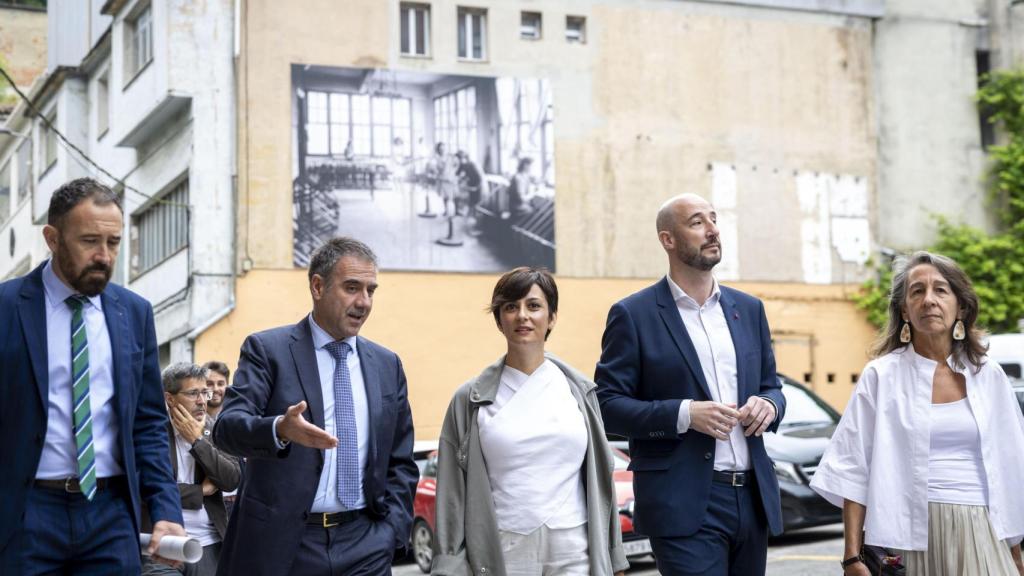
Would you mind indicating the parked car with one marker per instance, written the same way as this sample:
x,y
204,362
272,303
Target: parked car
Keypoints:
x,y
1018,389
422,539
796,450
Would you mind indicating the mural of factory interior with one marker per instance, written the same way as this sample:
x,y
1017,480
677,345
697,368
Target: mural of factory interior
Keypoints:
x,y
435,172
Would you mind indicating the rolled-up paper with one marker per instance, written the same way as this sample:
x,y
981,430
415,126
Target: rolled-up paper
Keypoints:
x,y
180,548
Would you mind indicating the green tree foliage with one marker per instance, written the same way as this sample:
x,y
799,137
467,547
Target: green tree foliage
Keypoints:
x,y
995,263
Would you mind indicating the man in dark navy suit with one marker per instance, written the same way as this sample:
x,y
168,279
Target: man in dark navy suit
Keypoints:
x,y
82,418
688,375
322,416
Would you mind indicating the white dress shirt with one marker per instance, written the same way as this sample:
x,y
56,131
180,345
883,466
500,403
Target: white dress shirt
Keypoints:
x,y
197,522
534,442
59,456
327,491
712,339
879,454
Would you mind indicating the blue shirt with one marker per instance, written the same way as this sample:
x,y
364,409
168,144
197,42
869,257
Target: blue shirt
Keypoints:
x,y
58,458
326,499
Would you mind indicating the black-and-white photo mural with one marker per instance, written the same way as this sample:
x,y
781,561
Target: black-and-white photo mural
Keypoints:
x,y
434,171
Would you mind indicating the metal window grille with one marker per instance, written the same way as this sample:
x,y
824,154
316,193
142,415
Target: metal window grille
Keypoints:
x,y
161,230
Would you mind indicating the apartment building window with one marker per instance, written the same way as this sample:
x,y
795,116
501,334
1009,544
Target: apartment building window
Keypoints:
x,y
472,33
138,42
576,29
983,64
5,190
415,29
530,26
102,103
455,120
49,142
343,124
161,230
25,180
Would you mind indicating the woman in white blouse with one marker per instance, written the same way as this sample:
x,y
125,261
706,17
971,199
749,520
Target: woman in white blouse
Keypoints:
x,y
928,458
524,481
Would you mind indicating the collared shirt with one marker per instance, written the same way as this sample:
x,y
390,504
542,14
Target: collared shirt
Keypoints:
x,y
712,339
197,522
327,491
879,454
58,459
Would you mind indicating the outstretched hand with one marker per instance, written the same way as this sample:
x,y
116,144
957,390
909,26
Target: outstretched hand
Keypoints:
x,y
294,428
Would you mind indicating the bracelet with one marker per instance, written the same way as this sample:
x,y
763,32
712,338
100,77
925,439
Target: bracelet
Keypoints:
x,y
852,560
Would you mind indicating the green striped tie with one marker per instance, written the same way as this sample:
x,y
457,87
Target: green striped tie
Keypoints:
x,y
80,398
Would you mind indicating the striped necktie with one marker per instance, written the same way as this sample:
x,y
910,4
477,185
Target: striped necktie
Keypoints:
x,y
80,398
345,426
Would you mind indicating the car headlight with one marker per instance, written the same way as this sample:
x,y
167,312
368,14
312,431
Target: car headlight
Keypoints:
x,y
786,471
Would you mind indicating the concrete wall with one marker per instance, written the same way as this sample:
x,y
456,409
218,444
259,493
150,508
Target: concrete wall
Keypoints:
x,y
930,154
660,92
437,324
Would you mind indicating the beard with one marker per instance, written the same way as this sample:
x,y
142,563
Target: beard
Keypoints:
x,y
696,258
84,281
215,402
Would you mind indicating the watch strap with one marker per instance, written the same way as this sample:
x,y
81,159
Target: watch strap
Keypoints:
x,y
852,560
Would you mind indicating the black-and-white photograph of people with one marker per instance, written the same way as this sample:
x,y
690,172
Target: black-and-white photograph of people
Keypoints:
x,y
438,172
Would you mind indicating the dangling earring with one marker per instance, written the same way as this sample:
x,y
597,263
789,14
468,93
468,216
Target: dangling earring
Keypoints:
x,y
905,333
959,332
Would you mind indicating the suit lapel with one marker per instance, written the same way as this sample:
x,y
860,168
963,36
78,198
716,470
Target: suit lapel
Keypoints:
x,y
732,318
371,381
304,357
120,347
32,312
670,315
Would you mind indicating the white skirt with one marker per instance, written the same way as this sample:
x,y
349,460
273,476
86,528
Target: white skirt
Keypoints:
x,y
961,542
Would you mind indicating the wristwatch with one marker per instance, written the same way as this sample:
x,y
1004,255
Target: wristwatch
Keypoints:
x,y
852,560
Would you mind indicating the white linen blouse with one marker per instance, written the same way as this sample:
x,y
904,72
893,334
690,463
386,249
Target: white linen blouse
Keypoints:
x,y
879,454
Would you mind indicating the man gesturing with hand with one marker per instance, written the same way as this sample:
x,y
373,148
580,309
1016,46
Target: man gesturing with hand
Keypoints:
x,y
322,416
688,375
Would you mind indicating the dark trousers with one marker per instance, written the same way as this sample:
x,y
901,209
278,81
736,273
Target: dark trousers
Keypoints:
x,y
362,547
65,534
733,541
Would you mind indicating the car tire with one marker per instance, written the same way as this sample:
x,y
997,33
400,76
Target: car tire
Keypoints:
x,y
422,545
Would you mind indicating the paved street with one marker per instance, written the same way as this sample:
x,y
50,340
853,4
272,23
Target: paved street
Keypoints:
x,y
811,552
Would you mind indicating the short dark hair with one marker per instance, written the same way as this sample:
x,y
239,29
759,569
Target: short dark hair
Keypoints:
x,y
173,375
218,367
72,194
326,257
515,285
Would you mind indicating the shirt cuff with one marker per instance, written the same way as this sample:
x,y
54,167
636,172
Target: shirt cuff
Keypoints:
x,y
281,444
775,406
683,423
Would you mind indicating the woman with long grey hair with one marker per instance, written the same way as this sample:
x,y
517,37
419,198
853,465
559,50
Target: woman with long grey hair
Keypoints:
x,y
928,459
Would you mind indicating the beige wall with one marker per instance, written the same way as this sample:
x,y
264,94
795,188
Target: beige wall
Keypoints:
x,y
437,324
660,91
23,44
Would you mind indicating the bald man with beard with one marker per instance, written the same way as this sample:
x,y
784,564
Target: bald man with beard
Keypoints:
x,y
688,375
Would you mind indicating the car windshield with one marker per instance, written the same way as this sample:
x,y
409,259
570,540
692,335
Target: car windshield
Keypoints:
x,y
803,408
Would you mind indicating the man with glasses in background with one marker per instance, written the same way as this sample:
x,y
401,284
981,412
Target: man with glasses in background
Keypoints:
x,y
203,472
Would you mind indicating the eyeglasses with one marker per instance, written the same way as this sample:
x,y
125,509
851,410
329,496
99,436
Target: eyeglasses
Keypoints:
x,y
196,392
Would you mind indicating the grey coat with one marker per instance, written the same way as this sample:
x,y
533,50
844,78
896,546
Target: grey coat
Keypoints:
x,y
467,540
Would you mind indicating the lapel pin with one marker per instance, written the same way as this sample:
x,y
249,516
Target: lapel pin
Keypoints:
x,y
735,315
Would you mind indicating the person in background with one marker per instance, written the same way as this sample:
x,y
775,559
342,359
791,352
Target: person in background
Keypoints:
x,y
927,457
203,472
524,484
520,189
218,378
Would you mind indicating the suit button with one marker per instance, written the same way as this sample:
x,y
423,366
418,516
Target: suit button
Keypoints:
x,y
707,455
